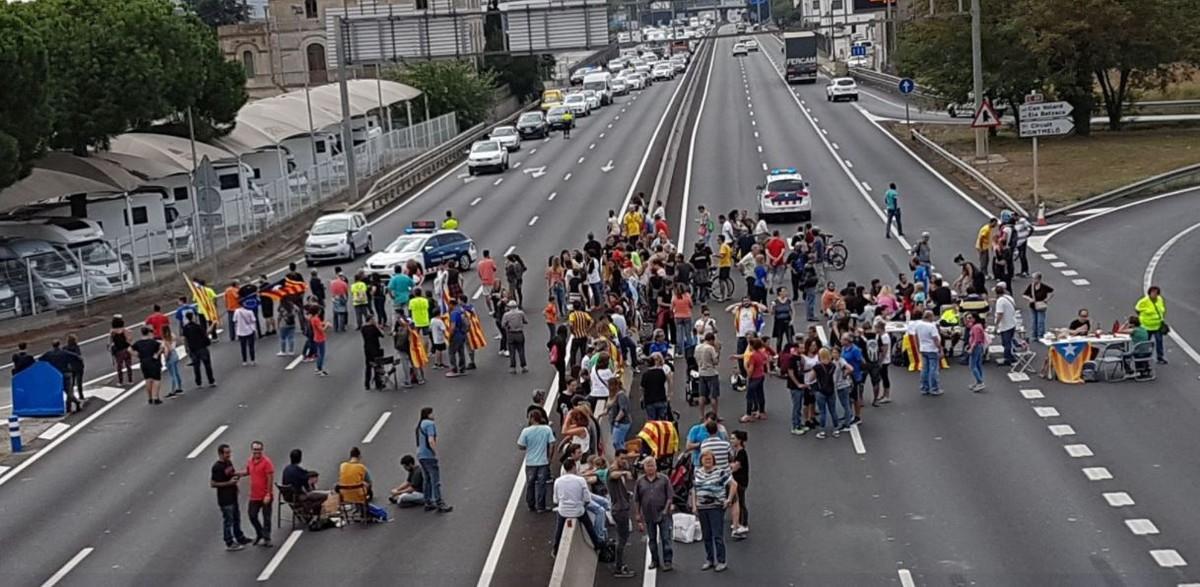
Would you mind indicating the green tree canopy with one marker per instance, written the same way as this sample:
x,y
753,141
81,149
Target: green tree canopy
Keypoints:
x,y
215,13
452,86
24,108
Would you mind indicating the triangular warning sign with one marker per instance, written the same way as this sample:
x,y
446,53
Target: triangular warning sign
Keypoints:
x,y
986,116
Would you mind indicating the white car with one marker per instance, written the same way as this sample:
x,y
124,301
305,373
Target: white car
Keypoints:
x,y
619,86
427,246
578,104
751,45
593,99
857,61
616,65
841,88
664,71
680,65
739,50
785,193
337,236
634,80
487,154
507,136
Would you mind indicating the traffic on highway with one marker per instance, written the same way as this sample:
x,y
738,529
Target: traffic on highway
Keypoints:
x,y
693,292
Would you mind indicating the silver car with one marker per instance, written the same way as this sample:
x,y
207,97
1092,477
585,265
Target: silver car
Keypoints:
x,y
337,236
507,136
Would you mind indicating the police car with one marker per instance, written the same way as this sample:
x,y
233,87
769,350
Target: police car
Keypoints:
x,y
785,193
429,247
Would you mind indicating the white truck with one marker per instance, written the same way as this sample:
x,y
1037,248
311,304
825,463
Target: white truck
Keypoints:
x,y
600,83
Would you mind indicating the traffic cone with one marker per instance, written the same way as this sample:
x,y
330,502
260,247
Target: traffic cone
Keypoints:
x,y
1041,219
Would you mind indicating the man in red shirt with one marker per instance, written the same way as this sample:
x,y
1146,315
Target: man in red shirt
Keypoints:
x,y
776,253
157,321
660,226
757,359
261,473
487,276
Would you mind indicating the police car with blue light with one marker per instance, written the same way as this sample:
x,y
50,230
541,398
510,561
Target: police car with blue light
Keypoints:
x,y
785,193
429,247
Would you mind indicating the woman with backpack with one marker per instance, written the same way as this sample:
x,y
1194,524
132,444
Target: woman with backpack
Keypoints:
x,y
118,345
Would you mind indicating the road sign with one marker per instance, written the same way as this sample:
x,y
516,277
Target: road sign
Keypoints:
x,y
1035,98
859,51
1046,128
906,85
985,116
1045,111
204,179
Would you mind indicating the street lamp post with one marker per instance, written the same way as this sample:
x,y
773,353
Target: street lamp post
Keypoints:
x,y
977,74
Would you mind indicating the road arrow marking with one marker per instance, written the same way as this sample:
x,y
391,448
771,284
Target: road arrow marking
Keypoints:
x,y
607,166
469,179
536,171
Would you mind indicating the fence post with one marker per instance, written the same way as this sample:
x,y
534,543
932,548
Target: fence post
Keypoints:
x,y
14,433
32,296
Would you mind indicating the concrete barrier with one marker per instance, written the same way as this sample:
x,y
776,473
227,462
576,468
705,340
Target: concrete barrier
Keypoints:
x,y
576,563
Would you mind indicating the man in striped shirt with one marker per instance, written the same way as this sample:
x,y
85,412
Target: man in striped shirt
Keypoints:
x,y
717,444
580,323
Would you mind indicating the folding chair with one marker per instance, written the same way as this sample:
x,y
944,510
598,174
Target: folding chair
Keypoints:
x,y
1111,364
1023,353
1141,361
287,496
352,502
385,369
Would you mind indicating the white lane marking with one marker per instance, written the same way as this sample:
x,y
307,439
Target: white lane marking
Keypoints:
x,y
1061,430
207,441
580,161
1083,282
607,166
278,558
1032,394
1118,499
610,125
567,177
1058,264
71,564
1141,526
546,140
4,469
410,199
760,148
54,431
867,186
510,250
751,113
617,117
478,292
295,361
802,102
533,221
856,438
1046,412
822,336
1069,273
12,473
591,146
476,201
517,164
1049,256
532,151
649,575
1090,211
764,165
383,418
1148,279
824,132
753,123
469,179
1062,227
1168,557
815,119
498,180
552,196
756,134
601,135
1097,473
836,147
906,578
850,164
1078,451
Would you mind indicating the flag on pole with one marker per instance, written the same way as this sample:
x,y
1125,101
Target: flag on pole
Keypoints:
x,y
286,288
476,339
1067,359
204,302
416,349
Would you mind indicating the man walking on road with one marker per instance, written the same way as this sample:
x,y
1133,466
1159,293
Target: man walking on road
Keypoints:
x,y
983,245
1006,321
243,323
427,441
513,324
261,472
652,497
195,338
891,204
536,440
620,492
929,345
225,479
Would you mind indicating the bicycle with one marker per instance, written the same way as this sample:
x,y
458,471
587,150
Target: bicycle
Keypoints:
x,y
836,254
723,290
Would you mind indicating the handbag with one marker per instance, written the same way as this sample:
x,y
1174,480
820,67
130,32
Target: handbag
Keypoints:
x,y
1163,328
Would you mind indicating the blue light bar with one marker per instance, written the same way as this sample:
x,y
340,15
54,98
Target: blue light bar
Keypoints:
x,y
421,226
782,170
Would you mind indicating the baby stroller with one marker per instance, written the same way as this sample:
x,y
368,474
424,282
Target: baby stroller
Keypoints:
x,y
681,482
691,388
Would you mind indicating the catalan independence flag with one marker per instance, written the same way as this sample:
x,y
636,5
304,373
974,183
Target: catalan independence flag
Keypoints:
x,y
660,436
285,288
910,346
476,339
204,302
1067,359
416,349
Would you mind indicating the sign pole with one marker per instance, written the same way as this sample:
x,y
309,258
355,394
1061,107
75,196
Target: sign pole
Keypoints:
x,y
907,122
1035,173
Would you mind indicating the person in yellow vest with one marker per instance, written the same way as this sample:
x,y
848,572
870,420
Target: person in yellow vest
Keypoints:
x,y
450,223
360,300
568,121
746,322
1152,313
950,325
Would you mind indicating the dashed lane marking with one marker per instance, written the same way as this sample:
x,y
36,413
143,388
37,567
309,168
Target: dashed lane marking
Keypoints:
x,y
207,441
567,177
1078,451
906,578
511,248
1046,412
856,438
1141,527
476,200
269,570
764,166
54,431
295,361
760,148
1058,264
849,164
601,135
1081,282
824,132
383,418
498,181
532,151
591,146
1069,273
866,186
517,164
478,292
1168,557
1061,430
1049,256
836,147
1015,377
753,123
552,196
756,134
1032,394
71,564
580,162
1097,473
533,221
1118,499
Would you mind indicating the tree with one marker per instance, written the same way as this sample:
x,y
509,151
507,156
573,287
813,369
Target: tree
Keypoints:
x,y
522,73
117,65
24,108
215,13
452,86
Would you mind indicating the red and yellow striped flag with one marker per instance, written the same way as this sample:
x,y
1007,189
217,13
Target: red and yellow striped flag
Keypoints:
x,y
204,302
416,349
476,339
910,346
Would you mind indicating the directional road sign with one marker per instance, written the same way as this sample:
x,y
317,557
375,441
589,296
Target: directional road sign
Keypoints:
x,y
907,85
985,116
1045,110
859,51
1046,128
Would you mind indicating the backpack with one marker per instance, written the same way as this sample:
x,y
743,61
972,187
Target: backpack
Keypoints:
x,y
872,353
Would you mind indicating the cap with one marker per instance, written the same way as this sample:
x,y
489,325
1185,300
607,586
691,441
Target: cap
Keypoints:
x,y
512,303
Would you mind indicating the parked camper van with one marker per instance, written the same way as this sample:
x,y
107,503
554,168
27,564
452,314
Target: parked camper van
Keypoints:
x,y
42,277
156,232
84,241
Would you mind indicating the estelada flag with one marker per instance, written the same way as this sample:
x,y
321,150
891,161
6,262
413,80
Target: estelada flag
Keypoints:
x,y
416,349
284,289
204,302
1067,360
476,339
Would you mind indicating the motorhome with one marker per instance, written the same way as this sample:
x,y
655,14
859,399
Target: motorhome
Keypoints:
x,y
157,231
42,277
84,241
10,304
245,205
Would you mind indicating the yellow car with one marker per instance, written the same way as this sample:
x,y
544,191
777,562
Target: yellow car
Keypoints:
x,y
551,98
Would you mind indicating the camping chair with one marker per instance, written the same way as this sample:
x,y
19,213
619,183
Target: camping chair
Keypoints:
x,y
352,502
1140,361
1111,364
1023,353
385,369
287,496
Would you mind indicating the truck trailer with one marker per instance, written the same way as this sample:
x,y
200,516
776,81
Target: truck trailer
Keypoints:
x,y
800,57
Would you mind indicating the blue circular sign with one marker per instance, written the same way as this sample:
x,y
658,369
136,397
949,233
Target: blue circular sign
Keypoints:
x,y
907,86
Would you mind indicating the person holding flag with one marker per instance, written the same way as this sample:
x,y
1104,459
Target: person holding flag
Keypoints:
x,y
476,339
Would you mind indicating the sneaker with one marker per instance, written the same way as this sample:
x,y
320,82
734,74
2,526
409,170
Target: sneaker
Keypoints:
x,y
323,373
233,547
430,507
886,400
244,363
721,567
796,432
837,433
978,388
804,429
524,369
855,420
706,566
667,568
243,541
624,573
452,373
821,434
471,367
741,531
280,354
445,509
267,544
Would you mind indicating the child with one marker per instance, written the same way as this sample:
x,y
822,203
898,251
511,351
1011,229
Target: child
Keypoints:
x,y
437,333
550,313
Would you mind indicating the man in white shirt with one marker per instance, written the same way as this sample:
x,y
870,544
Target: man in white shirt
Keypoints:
x,y
244,325
929,345
572,496
1006,321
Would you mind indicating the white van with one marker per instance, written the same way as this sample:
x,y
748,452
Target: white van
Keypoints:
x,y
10,304
82,240
599,82
42,277
157,230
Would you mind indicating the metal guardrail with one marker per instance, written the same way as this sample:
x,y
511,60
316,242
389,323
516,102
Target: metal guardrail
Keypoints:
x,y
975,174
1149,184
891,83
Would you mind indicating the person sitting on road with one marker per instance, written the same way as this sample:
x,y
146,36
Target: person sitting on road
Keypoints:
x,y
354,481
408,494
